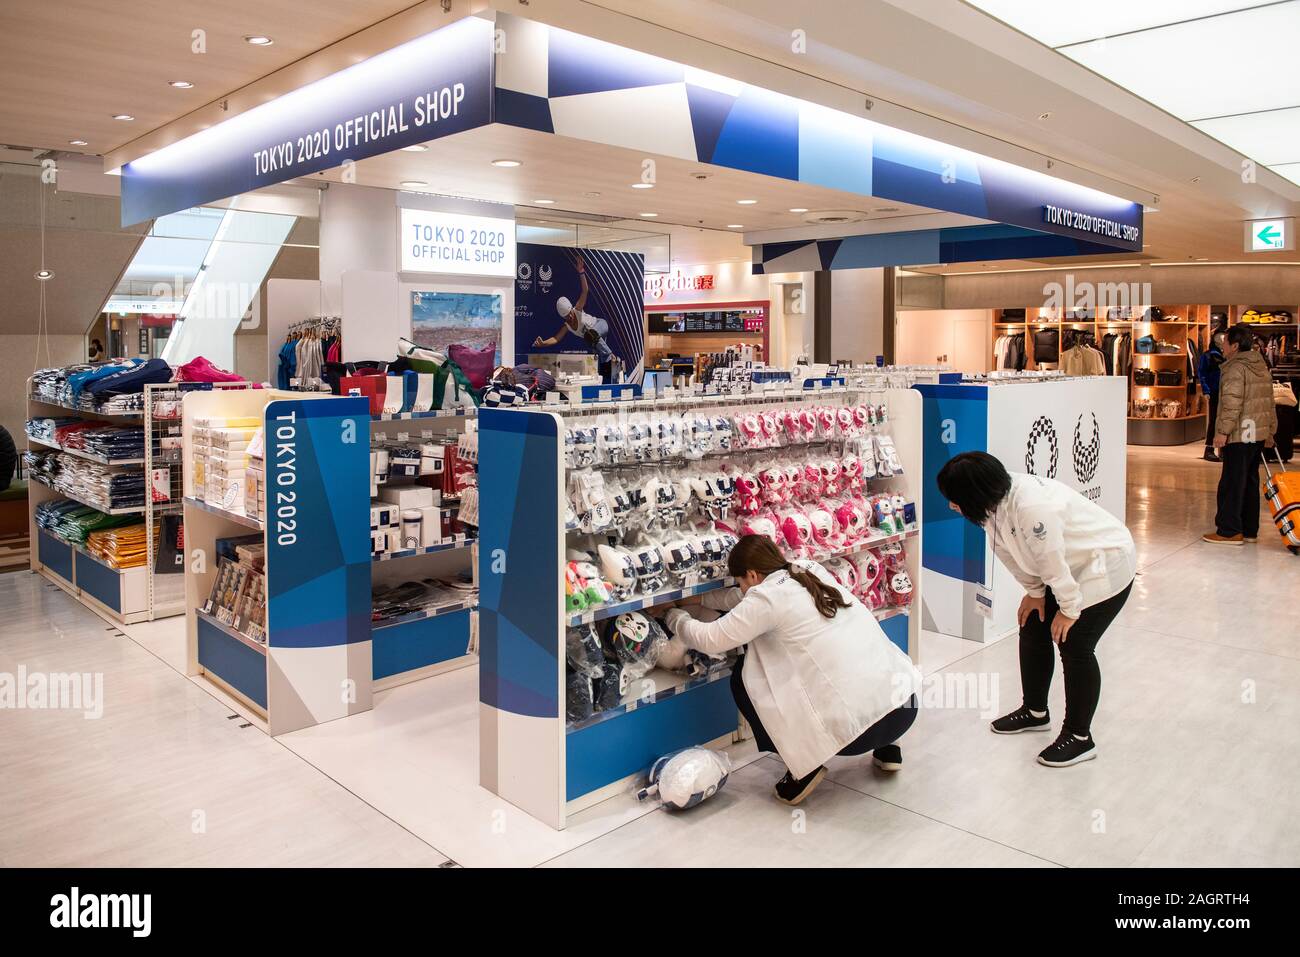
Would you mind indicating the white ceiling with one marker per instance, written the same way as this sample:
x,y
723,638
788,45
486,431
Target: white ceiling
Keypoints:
x,y
1225,67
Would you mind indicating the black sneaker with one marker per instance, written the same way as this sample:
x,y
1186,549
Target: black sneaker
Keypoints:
x,y
888,758
1067,750
1021,720
790,791
1211,456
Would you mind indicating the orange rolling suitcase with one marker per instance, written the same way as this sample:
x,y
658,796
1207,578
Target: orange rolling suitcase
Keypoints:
x,y
1283,493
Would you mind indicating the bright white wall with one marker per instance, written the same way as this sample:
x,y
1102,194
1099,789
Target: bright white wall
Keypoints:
x,y
17,359
857,314
922,336
358,231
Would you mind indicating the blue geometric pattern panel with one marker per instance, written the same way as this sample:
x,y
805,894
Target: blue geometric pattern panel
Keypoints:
x,y
519,607
317,535
737,125
955,420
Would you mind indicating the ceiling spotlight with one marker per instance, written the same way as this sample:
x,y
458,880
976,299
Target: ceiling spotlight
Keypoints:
x,y
746,202
124,117
181,84
591,194
1045,116
414,184
649,215
44,274
506,163
734,226
1196,179
77,143
643,185
544,202
414,148
258,40
798,209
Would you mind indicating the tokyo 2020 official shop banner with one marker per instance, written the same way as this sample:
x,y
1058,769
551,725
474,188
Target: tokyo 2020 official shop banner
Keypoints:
x,y
1074,431
615,280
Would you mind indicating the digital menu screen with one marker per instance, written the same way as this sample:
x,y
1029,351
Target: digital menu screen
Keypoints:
x,y
703,323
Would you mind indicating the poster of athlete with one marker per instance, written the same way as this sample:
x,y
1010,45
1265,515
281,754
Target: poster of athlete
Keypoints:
x,y
581,300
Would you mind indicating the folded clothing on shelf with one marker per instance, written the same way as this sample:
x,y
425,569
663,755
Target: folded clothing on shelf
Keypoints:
x,y
415,596
73,522
121,547
86,480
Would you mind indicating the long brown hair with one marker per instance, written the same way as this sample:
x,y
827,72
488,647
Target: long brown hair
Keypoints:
x,y
756,553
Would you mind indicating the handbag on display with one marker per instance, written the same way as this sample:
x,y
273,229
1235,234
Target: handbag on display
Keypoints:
x,y
1145,345
1144,377
1153,314
1169,377
370,383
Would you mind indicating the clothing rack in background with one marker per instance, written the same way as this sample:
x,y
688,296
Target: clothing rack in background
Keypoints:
x,y
308,345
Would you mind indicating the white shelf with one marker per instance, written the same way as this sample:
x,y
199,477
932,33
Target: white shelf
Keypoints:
x,y
134,510
460,542
238,518
230,630
645,601
434,414
133,414
82,454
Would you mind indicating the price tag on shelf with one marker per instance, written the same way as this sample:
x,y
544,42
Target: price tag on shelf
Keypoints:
x,y
983,601
403,436
605,395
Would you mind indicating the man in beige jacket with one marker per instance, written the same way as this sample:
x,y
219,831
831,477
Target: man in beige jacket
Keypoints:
x,y
1244,428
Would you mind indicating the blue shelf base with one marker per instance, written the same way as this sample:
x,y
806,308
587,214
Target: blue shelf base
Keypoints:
x,y
607,751
233,662
418,643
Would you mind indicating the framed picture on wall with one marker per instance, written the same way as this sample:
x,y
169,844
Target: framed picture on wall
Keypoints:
x,y
440,320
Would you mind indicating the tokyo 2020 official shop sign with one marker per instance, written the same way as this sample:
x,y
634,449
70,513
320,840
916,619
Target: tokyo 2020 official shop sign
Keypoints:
x,y
1074,431
318,561
430,87
456,243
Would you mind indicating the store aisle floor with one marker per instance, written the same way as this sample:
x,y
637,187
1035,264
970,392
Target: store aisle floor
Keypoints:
x,y
1200,703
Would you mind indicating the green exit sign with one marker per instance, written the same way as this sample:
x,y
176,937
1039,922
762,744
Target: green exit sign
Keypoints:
x,y
1268,235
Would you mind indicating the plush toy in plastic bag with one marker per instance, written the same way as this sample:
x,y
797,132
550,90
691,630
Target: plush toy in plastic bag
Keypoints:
x,y
685,778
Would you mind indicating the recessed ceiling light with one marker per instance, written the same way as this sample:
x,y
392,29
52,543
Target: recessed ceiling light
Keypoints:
x,y
77,143
414,183
734,226
44,274
1045,116
258,40
1196,179
507,163
544,202
124,117
746,202
415,148
798,209
181,84
643,185
649,215
591,194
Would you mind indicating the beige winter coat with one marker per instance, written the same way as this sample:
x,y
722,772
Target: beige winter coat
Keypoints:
x,y
1246,410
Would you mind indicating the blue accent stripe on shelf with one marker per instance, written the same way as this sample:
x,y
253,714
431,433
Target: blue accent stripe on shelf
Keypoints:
x,y
99,581
895,630
409,645
238,665
54,554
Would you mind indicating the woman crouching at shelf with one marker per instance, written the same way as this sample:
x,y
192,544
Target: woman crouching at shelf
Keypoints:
x,y
818,677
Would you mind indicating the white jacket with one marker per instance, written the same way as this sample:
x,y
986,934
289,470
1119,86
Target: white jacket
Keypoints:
x,y
1050,536
817,683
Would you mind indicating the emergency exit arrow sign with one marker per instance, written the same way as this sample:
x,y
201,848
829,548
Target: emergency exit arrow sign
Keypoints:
x,y
1268,235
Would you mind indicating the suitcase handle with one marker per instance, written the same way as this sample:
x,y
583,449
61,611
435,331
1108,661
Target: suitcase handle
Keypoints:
x,y
1264,458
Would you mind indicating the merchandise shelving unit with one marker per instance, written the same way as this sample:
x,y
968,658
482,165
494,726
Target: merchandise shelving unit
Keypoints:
x,y
1192,322
315,664
118,595
439,639
529,754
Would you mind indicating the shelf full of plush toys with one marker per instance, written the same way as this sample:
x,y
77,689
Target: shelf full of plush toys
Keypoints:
x,y
656,499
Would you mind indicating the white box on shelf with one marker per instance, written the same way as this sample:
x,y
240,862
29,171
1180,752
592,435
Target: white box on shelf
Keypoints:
x,y
407,496
430,526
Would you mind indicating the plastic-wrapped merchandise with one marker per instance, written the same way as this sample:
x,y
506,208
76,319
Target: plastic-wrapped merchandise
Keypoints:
x,y
636,640
582,650
685,778
578,703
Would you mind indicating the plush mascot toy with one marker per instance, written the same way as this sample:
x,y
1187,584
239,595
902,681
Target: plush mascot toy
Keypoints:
x,y
685,778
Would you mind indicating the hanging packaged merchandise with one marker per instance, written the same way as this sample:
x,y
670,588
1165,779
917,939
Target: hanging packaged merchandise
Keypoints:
x,y
587,493
611,441
619,568
842,570
611,687
685,778
679,559
797,532
583,652
650,574
579,698
620,505
711,552
638,439
723,433
900,588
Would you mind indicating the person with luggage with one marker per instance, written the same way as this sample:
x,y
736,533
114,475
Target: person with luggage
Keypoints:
x,y
1243,428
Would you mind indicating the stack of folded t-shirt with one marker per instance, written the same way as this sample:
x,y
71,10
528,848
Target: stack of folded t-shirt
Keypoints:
x,y
73,522
110,441
124,547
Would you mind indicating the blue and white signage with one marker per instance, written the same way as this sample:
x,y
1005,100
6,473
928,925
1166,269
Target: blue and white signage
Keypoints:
x,y
1270,235
456,243
431,87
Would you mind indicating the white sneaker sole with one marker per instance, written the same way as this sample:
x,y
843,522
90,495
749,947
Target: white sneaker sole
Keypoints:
x,y
812,786
1086,756
1036,727
1237,544
887,765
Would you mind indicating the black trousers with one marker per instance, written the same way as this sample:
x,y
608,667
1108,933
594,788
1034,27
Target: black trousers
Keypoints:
x,y
1239,489
884,732
1209,421
1078,659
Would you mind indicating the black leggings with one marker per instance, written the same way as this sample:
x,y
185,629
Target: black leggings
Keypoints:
x,y
884,732
1078,659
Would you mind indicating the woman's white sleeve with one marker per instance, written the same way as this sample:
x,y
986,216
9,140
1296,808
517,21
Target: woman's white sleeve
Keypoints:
x,y
1041,529
722,599
751,617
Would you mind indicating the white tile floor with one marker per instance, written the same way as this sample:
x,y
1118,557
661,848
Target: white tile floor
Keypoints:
x,y
1200,704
